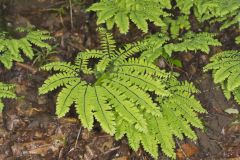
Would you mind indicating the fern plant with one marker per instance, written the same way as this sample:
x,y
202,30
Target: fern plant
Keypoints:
x,y
163,45
6,91
11,48
118,92
226,72
224,11
120,12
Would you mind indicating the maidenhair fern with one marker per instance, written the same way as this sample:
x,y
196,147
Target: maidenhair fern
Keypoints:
x,y
225,67
161,44
140,12
120,12
11,48
118,92
175,26
6,91
224,11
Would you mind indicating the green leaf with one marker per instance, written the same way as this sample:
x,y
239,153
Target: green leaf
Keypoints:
x,y
122,22
139,19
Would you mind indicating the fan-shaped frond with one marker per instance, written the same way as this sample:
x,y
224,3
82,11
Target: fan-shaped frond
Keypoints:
x,y
11,48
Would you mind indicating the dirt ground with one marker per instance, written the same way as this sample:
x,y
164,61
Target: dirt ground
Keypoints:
x,y
29,129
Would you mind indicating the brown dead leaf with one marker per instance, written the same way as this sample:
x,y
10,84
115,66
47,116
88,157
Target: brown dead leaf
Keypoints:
x,y
186,150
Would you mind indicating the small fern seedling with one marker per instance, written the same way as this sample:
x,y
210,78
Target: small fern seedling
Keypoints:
x,y
118,92
225,66
11,48
6,91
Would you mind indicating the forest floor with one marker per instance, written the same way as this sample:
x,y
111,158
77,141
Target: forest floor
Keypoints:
x,y
29,129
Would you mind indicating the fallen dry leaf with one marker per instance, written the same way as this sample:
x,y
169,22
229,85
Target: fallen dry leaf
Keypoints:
x,y
186,151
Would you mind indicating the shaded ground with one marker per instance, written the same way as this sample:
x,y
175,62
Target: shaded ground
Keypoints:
x,y
29,129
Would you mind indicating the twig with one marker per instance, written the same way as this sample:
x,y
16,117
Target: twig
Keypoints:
x,y
187,158
27,67
61,20
79,132
71,13
112,149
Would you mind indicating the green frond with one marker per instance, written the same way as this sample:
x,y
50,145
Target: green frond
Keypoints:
x,y
144,81
141,66
7,60
82,59
185,5
61,67
224,11
67,97
83,106
103,112
193,42
120,12
127,110
103,64
225,66
140,20
236,94
57,80
134,93
107,42
122,22
174,26
129,50
163,45
6,91
11,48
38,37
26,47
237,40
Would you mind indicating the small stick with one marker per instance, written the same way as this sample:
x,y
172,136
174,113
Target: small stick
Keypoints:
x,y
79,132
187,158
27,67
71,13
111,150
